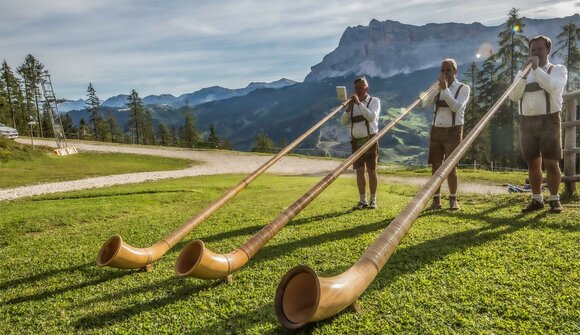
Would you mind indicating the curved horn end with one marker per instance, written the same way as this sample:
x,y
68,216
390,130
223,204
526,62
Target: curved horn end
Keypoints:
x,y
118,254
189,258
297,297
109,250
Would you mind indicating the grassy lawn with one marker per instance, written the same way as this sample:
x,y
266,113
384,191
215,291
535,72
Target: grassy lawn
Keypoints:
x,y
465,174
20,165
485,270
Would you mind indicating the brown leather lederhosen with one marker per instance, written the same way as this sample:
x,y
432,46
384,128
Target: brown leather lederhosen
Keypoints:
x,y
540,135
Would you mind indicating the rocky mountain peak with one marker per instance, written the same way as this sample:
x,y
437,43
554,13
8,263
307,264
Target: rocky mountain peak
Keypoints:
x,y
387,48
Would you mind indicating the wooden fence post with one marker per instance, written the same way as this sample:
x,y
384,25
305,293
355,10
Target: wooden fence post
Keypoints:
x,y
570,149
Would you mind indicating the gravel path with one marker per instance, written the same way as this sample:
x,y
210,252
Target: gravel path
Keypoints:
x,y
213,162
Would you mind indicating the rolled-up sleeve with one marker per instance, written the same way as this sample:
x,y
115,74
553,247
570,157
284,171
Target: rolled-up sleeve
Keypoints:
x,y
458,104
345,118
429,100
554,82
518,92
372,112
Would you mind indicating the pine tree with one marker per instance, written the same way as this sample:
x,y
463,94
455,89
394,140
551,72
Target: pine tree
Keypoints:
x,y
114,129
567,48
263,144
93,104
84,130
31,72
12,93
175,136
488,91
213,140
135,121
148,132
226,144
4,106
471,115
67,124
164,135
512,54
47,121
189,134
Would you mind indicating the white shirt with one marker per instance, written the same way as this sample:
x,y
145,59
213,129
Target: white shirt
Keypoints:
x,y
534,103
444,117
371,114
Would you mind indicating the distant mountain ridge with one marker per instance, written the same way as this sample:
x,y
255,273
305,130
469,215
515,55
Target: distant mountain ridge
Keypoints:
x,y
384,49
204,95
386,52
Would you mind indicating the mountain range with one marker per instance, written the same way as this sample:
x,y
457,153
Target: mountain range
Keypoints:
x,y
399,59
198,97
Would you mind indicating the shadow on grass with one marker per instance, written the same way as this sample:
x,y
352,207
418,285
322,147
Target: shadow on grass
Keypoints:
x,y
107,195
534,217
43,275
106,319
255,229
413,258
241,323
274,251
50,293
447,211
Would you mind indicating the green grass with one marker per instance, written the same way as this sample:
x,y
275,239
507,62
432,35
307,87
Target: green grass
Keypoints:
x,y
484,270
20,165
465,174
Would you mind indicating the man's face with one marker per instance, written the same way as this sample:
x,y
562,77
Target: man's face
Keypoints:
x,y
361,88
538,48
448,71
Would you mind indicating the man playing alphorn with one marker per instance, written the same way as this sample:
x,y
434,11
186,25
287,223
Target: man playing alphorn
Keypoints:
x,y
539,93
362,115
449,102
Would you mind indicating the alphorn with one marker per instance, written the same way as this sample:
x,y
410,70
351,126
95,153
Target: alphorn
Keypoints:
x,y
196,260
116,253
303,297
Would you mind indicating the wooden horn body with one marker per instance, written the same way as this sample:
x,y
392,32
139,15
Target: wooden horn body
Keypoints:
x,y
197,261
116,253
303,297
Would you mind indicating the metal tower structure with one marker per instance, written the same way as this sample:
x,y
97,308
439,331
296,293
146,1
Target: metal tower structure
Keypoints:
x,y
51,106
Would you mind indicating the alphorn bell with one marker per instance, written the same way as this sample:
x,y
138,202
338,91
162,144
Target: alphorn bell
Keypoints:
x,y
303,297
197,261
116,253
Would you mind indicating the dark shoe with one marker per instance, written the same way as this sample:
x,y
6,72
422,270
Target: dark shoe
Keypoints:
x,y
360,205
373,205
436,204
453,204
534,205
555,206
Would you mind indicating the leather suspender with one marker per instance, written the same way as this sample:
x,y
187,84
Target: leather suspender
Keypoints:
x,y
534,87
360,118
443,103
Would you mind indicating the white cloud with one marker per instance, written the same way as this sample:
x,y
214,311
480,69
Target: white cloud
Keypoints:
x,y
181,46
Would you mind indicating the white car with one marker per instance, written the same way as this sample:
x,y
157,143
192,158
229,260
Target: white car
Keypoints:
x,y
9,132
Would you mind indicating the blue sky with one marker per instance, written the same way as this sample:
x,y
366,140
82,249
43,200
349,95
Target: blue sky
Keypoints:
x,y
177,47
